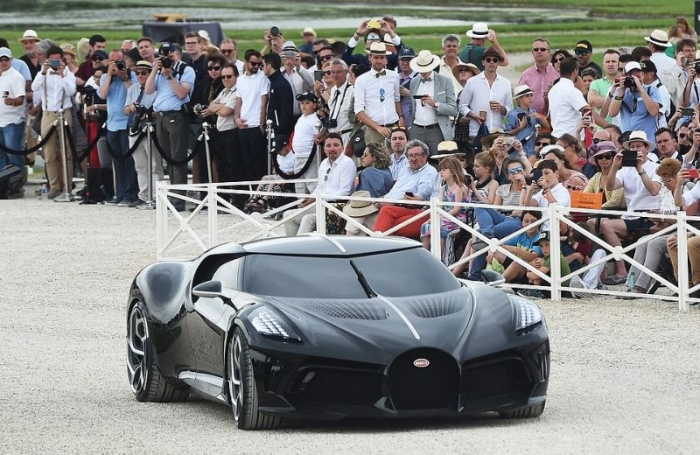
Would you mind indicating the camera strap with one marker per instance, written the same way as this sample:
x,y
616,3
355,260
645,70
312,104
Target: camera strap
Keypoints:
x,y
336,106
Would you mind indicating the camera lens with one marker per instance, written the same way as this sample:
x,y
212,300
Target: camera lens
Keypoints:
x,y
166,62
274,31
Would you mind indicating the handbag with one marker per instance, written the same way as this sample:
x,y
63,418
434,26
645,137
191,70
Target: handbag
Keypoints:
x,y
357,140
461,133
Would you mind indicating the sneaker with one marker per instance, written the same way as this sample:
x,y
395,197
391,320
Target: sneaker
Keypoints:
x,y
535,293
53,194
136,203
145,206
112,201
124,203
577,282
614,280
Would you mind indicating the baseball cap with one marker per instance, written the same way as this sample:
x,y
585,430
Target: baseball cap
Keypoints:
x,y
407,52
5,52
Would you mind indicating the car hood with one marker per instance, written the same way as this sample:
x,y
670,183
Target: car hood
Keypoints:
x,y
380,327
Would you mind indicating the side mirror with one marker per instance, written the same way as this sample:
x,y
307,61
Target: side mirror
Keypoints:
x,y
209,289
213,289
492,278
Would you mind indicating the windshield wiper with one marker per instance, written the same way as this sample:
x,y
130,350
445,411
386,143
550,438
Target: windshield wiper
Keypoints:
x,y
363,281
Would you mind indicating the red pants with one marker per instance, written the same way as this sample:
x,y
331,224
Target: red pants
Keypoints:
x,y
392,215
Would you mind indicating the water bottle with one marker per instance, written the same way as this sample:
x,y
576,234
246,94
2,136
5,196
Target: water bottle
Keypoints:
x,y
44,192
631,280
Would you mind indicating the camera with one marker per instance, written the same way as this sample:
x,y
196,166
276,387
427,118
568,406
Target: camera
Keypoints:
x,y
333,123
90,95
166,62
696,65
468,179
628,82
121,66
55,63
275,31
5,94
139,117
198,108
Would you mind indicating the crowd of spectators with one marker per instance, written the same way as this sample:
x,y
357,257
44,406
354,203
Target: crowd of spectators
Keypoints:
x,y
373,116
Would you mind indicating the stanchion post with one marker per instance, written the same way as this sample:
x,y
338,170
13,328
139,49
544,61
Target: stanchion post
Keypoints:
x,y
148,129
270,141
205,136
66,196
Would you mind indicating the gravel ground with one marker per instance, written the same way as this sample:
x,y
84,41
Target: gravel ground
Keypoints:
x,y
624,379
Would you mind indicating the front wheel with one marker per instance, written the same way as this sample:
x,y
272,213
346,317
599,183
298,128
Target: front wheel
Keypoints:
x,y
145,379
242,389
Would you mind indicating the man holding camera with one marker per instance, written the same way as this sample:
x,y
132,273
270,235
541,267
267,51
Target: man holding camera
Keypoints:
x,y
637,104
636,173
57,88
172,81
113,87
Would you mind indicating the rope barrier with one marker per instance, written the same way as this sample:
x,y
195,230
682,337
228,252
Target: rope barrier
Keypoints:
x,y
168,158
26,152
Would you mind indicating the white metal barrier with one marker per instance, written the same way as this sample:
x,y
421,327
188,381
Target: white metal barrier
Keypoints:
x,y
228,223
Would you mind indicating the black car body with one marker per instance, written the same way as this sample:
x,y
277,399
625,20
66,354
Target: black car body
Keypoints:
x,y
330,328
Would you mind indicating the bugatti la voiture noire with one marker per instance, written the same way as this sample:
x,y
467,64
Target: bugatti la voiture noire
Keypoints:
x,y
326,327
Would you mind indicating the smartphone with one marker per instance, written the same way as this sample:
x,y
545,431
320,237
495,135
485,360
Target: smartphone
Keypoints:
x,y
418,97
693,173
408,193
536,175
687,111
374,23
318,75
629,158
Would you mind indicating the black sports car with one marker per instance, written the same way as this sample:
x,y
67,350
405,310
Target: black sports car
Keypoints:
x,y
333,327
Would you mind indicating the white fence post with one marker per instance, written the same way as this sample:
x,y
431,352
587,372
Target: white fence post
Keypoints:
x,y
682,234
161,218
435,244
555,214
213,211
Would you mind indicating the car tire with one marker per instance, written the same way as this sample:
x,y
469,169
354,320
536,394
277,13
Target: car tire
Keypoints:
x,y
243,392
526,412
145,379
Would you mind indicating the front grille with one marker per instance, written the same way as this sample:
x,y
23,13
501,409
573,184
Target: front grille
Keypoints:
x,y
494,379
341,387
429,308
433,387
348,310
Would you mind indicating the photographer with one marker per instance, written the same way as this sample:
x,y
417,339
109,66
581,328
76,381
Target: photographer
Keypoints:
x,y
274,41
113,87
691,92
636,104
172,81
138,107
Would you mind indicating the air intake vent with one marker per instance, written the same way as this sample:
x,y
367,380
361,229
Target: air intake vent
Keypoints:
x,y
429,308
424,379
348,310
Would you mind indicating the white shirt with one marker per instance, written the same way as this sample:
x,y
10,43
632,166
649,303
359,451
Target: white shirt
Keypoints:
x,y
636,194
445,70
251,88
425,115
565,102
297,84
11,81
477,95
337,179
228,98
561,195
59,90
663,62
340,106
305,131
286,162
370,90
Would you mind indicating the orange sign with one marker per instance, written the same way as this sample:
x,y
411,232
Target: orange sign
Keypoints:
x,y
581,200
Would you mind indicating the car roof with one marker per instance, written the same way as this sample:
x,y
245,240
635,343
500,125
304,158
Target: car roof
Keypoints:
x,y
325,245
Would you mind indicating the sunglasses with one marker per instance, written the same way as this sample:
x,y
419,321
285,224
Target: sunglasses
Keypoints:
x,y
540,49
541,144
607,156
559,60
97,59
141,73
581,52
596,140
491,60
254,63
214,68
227,76
326,57
227,51
682,135
327,73
515,170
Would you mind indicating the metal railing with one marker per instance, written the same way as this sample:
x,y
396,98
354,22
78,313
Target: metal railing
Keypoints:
x,y
182,235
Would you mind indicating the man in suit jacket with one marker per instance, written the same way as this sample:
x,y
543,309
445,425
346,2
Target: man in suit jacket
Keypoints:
x,y
433,102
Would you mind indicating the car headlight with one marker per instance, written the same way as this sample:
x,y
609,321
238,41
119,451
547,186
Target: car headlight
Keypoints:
x,y
527,314
267,323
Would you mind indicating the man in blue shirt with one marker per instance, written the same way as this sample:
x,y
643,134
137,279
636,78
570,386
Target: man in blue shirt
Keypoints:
x,y
113,87
173,84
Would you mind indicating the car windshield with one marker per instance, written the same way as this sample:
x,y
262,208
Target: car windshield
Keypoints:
x,y
396,274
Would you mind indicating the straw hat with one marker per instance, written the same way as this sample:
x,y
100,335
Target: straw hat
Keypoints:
x,y
68,48
465,66
479,30
521,90
658,37
638,136
448,148
425,62
360,208
378,49
29,35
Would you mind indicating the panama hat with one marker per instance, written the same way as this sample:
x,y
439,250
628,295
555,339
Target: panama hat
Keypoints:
x,y
68,48
29,35
425,61
480,30
465,66
378,49
487,141
552,148
448,148
638,136
521,90
360,208
658,37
